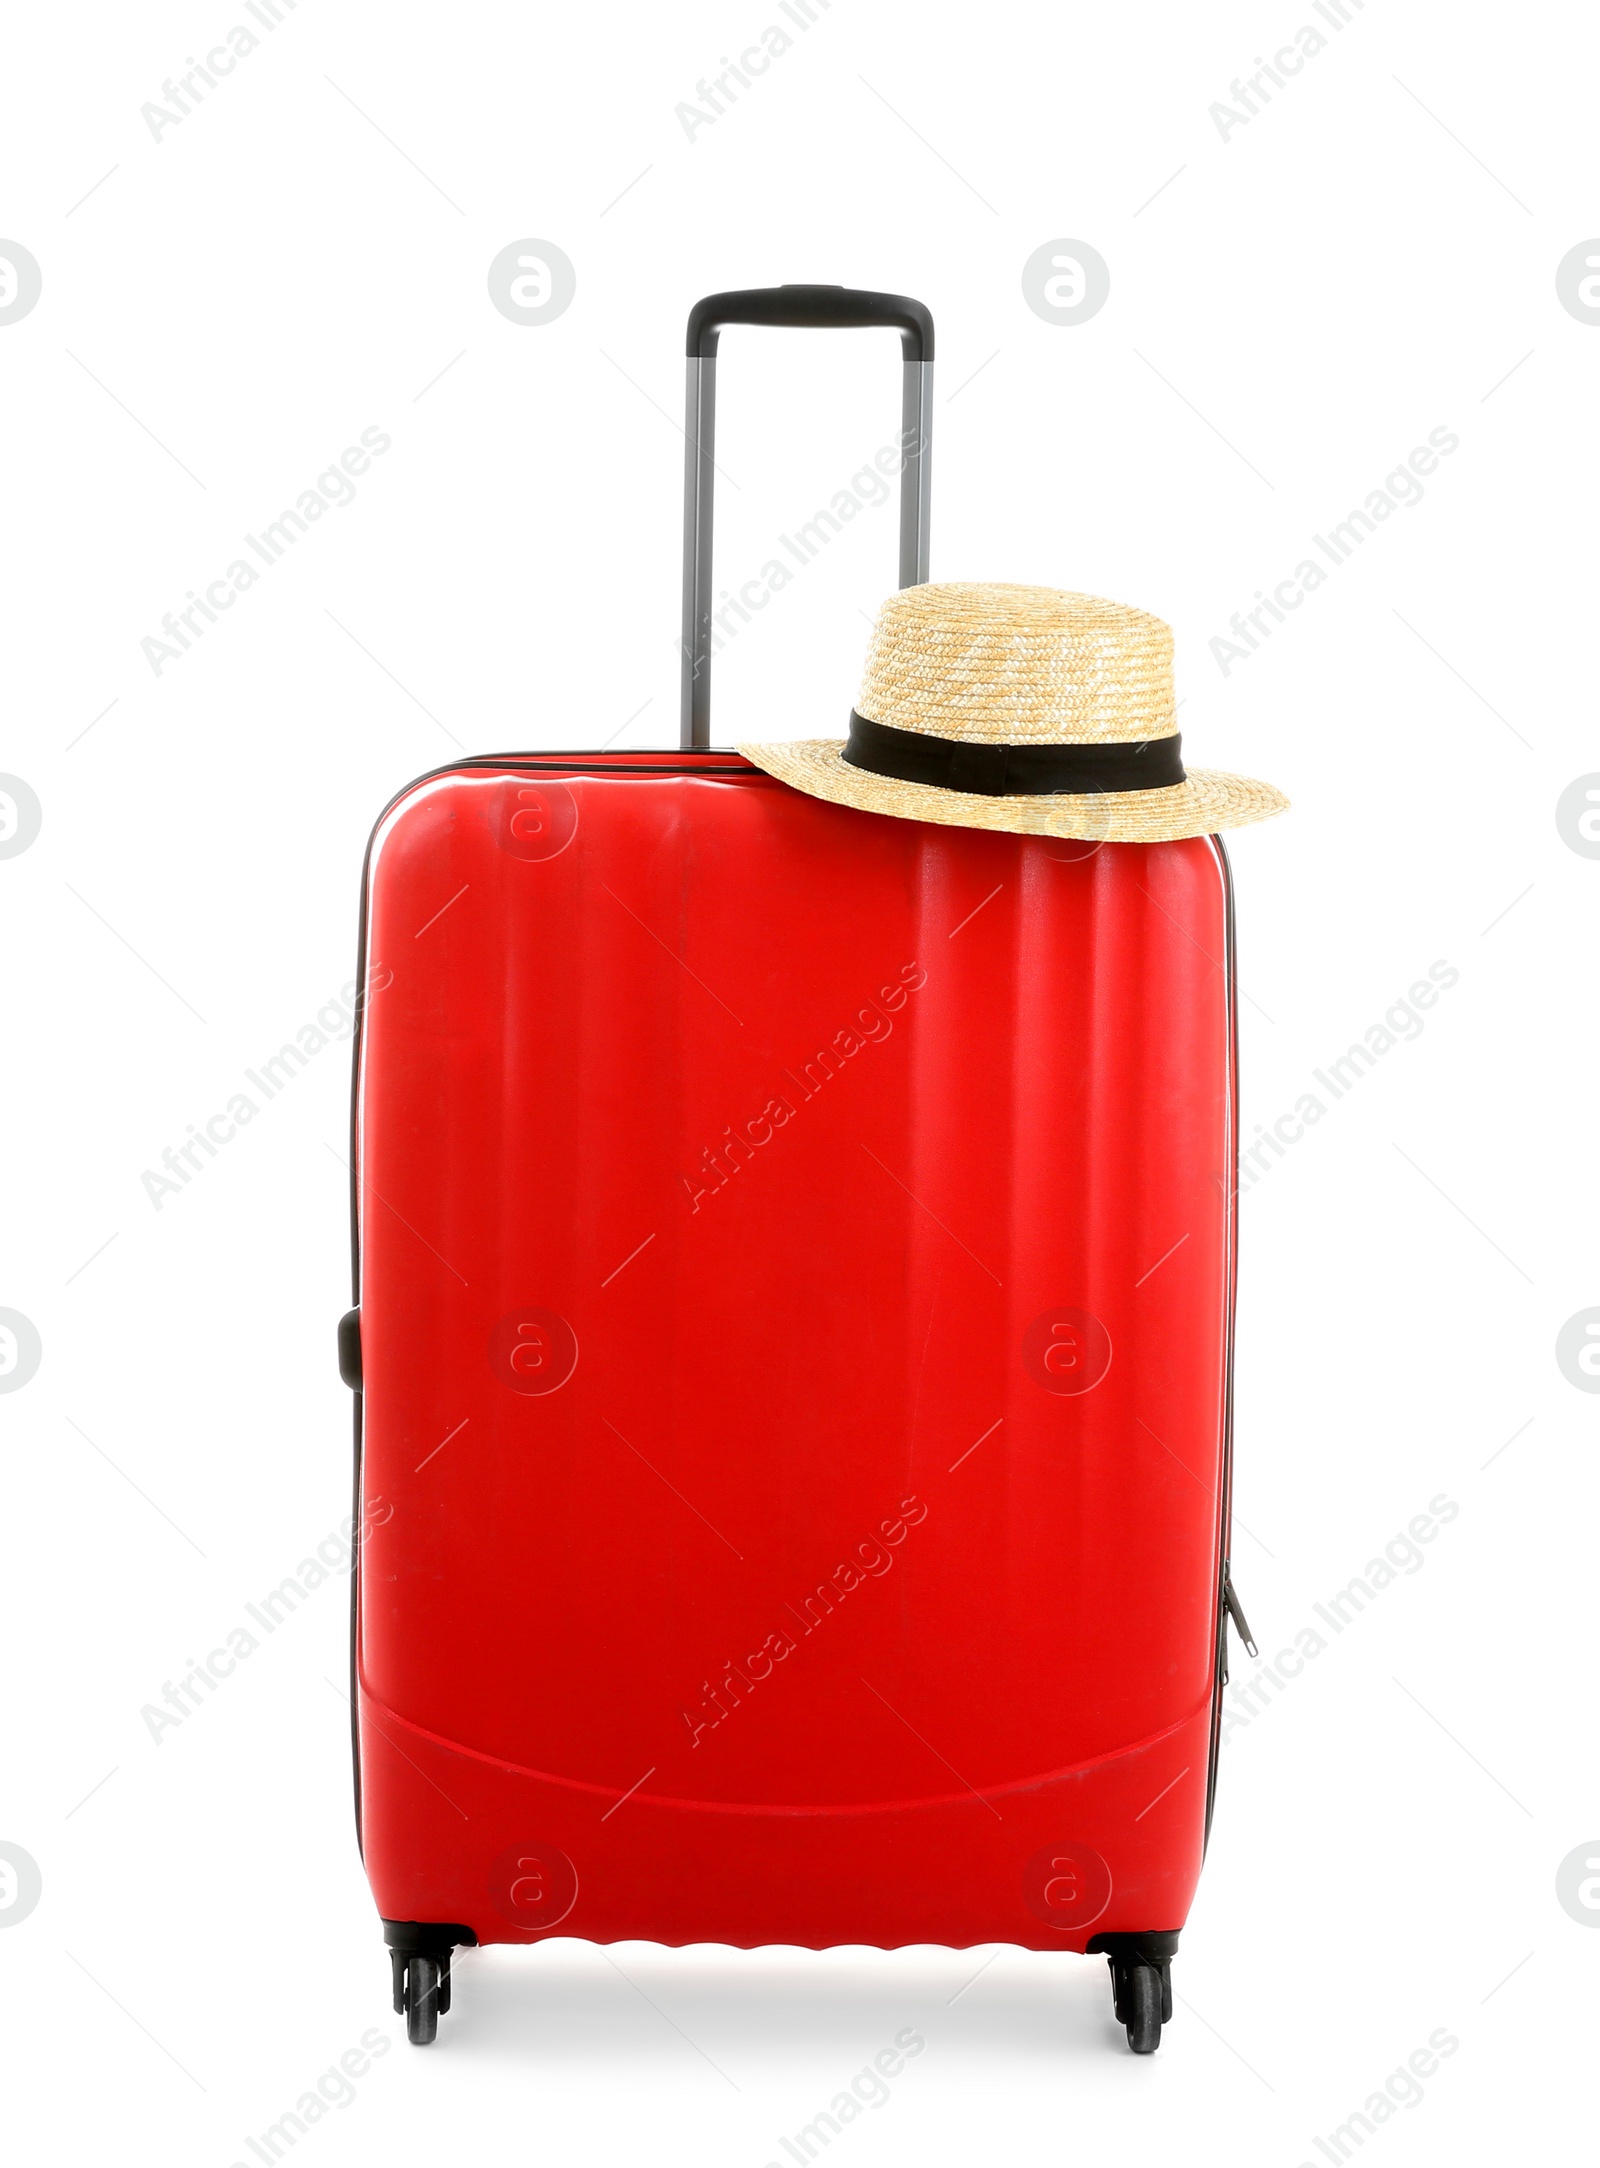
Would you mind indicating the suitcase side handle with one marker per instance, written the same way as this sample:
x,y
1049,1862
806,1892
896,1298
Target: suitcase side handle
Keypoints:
x,y
815,307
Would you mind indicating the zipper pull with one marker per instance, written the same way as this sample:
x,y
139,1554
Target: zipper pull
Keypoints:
x,y
1241,1625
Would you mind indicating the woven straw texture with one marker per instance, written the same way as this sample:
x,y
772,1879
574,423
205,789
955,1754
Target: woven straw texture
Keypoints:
x,y
1018,666
1008,665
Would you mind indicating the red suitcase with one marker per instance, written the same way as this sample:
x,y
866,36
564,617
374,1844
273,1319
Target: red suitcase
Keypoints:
x,y
794,1258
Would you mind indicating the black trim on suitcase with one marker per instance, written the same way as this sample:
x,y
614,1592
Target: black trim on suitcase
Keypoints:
x,y
428,1938
1153,1947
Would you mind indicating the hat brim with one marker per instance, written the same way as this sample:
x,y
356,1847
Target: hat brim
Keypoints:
x,y
1201,805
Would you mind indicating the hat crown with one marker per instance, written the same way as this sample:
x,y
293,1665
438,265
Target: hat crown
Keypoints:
x,y
988,663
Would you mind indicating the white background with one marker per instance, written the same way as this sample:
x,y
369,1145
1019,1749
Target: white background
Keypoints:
x,y
1370,257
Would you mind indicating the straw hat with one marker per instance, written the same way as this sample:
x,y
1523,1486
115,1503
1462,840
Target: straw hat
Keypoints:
x,y
1024,709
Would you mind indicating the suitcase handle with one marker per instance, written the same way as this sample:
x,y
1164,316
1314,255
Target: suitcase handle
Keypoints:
x,y
823,308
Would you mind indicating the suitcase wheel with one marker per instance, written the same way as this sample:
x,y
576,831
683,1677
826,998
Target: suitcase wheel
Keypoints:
x,y
423,1991
1142,1994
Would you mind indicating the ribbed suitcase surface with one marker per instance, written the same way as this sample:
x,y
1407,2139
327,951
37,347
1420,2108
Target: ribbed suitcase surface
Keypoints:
x,y
795,1284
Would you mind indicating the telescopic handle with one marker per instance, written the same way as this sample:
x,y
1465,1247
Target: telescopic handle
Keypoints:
x,y
814,307
811,308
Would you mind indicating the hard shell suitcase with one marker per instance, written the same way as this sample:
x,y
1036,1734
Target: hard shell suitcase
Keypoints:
x,y
794,1266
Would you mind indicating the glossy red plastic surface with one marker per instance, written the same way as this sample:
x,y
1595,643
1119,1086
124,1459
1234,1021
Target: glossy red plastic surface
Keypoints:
x,y
796,1268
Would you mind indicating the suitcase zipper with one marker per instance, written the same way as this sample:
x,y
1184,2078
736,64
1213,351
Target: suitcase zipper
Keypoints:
x,y
1235,1610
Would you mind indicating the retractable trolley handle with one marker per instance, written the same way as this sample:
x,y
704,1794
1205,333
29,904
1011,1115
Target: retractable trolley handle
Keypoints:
x,y
824,308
